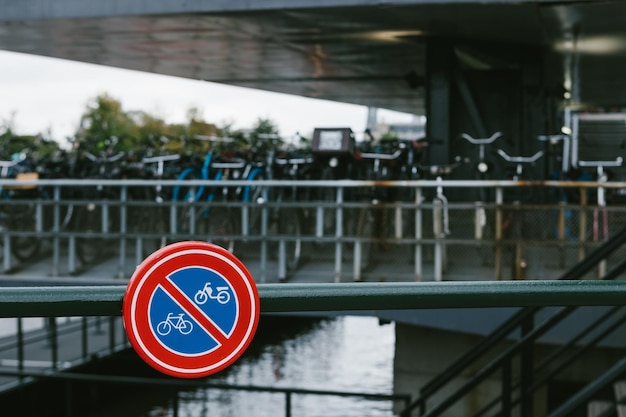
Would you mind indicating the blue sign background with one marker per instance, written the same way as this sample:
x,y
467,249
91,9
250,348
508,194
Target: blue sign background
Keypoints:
x,y
191,280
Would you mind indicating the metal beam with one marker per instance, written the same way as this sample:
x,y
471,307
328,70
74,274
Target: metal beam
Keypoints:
x,y
107,300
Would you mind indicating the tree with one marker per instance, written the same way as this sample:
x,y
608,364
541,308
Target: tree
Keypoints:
x,y
104,120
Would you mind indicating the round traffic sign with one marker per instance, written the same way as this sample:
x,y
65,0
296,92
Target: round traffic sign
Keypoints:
x,y
191,309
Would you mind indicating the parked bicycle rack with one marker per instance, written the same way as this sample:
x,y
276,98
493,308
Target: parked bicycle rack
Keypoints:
x,y
417,238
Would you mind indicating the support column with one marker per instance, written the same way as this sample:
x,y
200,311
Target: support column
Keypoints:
x,y
439,64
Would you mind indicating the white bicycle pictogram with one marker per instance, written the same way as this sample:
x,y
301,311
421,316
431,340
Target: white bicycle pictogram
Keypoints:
x,y
206,293
174,321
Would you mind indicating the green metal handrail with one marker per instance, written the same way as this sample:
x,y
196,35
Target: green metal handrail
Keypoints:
x,y
107,300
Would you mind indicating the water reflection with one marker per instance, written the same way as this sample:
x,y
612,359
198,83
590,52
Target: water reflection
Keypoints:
x,y
344,354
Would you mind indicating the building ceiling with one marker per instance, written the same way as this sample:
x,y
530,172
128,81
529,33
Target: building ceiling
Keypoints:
x,y
367,53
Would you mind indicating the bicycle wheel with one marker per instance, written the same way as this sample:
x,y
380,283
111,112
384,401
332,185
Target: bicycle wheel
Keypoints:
x,y
23,220
89,220
218,226
289,225
151,224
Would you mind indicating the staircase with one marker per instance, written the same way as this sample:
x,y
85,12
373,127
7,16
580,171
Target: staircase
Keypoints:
x,y
517,368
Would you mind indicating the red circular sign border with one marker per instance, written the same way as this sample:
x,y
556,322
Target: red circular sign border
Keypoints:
x,y
148,276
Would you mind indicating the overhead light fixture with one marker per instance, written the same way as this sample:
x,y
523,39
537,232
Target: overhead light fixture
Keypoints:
x,y
393,35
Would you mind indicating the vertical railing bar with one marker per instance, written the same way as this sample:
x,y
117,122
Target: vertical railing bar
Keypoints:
x,y
20,344
112,334
175,404
398,221
84,339
6,252
498,233
38,216
264,219
288,403
418,235
123,229
319,221
71,255
244,219
338,233
54,345
56,227
173,220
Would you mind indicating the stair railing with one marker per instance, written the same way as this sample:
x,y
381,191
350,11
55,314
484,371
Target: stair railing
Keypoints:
x,y
518,321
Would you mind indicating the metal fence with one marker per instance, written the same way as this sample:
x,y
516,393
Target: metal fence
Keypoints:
x,y
346,230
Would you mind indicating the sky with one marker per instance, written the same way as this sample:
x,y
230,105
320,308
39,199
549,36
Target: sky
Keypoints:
x,y
48,96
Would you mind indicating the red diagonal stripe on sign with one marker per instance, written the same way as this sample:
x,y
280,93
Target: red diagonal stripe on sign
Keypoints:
x,y
193,310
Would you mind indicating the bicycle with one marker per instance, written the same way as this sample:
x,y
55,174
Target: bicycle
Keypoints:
x,y
18,216
441,218
206,212
482,169
176,322
260,218
153,219
514,225
601,176
38,215
94,217
371,227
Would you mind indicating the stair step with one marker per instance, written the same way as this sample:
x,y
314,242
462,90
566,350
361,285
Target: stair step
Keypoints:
x,y
598,408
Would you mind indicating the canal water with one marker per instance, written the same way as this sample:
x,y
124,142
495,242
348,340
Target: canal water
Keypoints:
x,y
348,353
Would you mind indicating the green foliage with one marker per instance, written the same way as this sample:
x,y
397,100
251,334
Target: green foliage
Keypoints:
x,y
106,125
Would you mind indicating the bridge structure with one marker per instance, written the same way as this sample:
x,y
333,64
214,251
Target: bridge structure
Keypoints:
x,y
525,68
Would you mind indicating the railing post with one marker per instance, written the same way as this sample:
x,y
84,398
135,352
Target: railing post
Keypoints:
x,y
338,233
418,234
582,237
6,253
498,233
398,221
56,228
84,338
20,344
53,340
123,229
112,334
287,403
527,367
319,221
561,233
264,225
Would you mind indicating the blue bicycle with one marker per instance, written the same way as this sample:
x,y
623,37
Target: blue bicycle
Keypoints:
x,y
207,212
269,162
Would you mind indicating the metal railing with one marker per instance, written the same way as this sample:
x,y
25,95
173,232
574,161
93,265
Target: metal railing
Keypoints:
x,y
107,301
348,231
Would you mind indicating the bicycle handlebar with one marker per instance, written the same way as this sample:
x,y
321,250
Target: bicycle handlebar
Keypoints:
x,y
104,158
294,161
616,163
385,156
552,138
163,158
520,159
213,138
481,141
